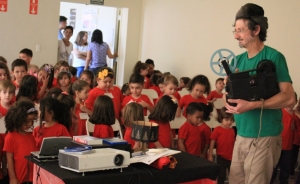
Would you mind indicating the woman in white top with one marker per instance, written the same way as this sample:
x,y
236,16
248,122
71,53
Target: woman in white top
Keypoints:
x,y
79,52
65,47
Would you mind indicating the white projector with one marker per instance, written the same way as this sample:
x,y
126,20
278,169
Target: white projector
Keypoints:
x,y
95,160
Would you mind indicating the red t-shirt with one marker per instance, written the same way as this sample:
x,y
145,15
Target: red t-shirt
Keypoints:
x,y
146,83
20,145
118,97
192,138
130,99
287,134
296,139
214,94
205,135
164,135
156,88
179,89
127,136
225,138
73,79
56,130
187,99
176,95
81,122
95,92
54,83
103,131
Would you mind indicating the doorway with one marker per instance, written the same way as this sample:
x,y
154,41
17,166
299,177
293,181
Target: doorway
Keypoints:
x,y
110,20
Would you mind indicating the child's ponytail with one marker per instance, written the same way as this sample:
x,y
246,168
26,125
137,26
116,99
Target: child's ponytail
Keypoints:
x,y
77,86
138,66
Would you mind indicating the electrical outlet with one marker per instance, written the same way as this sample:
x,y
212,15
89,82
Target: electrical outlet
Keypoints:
x,y
38,48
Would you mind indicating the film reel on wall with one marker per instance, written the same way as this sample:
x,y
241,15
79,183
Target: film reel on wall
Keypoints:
x,y
219,56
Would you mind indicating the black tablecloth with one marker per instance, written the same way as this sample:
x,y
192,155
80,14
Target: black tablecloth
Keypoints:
x,y
189,168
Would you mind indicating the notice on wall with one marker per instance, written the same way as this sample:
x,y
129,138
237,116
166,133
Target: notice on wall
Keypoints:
x,y
33,7
72,17
89,18
98,2
3,5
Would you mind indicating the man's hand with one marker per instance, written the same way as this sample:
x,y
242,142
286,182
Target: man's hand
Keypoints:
x,y
242,106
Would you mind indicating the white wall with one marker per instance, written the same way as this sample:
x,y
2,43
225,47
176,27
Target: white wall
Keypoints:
x,y
20,30
181,36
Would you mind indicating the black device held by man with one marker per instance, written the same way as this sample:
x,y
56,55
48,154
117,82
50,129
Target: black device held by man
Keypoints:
x,y
252,87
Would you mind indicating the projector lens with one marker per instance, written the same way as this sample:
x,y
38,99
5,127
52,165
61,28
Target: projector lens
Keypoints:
x,y
119,159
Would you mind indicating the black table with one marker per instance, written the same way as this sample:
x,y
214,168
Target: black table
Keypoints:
x,y
189,168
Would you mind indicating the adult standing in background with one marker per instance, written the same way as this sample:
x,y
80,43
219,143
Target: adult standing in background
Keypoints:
x,y
259,123
80,52
97,52
151,66
65,47
62,25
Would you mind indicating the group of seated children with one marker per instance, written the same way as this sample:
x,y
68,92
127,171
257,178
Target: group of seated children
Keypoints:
x,y
62,98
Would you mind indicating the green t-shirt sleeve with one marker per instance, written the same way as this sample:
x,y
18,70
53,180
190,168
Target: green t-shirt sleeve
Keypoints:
x,y
282,71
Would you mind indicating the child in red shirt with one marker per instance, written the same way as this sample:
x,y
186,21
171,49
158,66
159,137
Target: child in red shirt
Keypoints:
x,y
54,120
224,137
154,78
64,80
19,142
45,77
59,67
136,83
183,83
4,72
73,72
104,79
125,90
79,90
19,70
142,69
132,112
213,95
164,112
189,136
103,117
288,120
88,77
169,87
199,85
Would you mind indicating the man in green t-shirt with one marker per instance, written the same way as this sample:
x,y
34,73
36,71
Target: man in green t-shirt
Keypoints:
x,y
258,143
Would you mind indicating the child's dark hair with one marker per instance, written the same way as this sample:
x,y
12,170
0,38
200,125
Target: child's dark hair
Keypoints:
x,y
67,102
2,59
60,64
50,71
136,78
124,88
133,112
200,79
110,72
157,72
170,79
26,51
223,114
103,112
19,62
139,66
16,116
54,92
77,85
154,78
5,68
219,79
195,106
185,80
149,62
160,80
62,74
73,70
90,75
165,110
28,88
7,84
52,106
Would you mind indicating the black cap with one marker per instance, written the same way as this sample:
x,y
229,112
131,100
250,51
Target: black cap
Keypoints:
x,y
250,10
